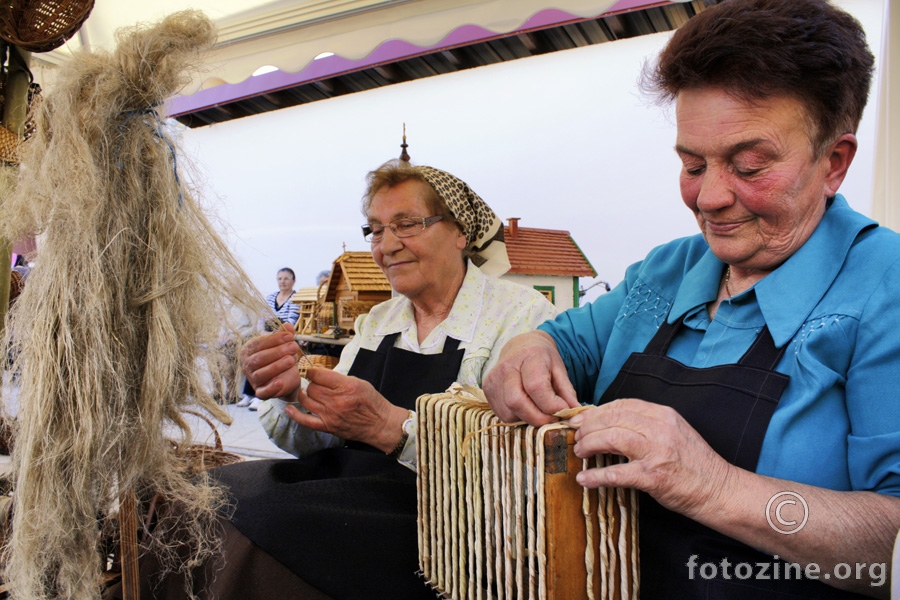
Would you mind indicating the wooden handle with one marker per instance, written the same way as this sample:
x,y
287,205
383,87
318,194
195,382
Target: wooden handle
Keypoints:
x,y
128,546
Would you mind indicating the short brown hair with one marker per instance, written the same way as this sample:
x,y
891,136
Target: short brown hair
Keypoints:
x,y
805,49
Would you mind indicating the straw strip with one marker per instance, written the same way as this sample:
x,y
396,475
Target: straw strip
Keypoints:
x,y
445,558
506,487
472,501
496,511
461,509
589,535
531,492
453,502
422,495
541,459
518,532
488,491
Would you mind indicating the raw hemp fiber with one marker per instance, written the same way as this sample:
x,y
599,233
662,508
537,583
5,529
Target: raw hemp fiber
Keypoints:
x,y
115,332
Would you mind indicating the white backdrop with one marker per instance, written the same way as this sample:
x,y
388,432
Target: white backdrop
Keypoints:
x,y
563,141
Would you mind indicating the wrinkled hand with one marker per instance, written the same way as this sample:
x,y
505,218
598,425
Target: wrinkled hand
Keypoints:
x,y
530,382
667,458
349,408
270,364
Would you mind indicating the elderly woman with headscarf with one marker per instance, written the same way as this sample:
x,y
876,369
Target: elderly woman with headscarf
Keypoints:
x,y
341,520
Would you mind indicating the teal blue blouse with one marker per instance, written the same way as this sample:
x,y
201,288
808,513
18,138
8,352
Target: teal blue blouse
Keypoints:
x,y
835,303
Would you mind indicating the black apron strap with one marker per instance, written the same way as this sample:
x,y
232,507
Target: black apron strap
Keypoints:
x,y
762,353
451,345
659,345
387,342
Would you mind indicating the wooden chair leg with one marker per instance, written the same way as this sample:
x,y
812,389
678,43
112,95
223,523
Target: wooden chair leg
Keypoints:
x,y
129,546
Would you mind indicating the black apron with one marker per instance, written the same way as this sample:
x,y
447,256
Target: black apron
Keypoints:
x,y
402,376
345,519
730,406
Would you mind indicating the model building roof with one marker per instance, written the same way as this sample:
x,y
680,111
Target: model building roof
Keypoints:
x,y
305,294
359,271
544,252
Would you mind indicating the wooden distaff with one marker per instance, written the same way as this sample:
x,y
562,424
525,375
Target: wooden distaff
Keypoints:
x,y
502,516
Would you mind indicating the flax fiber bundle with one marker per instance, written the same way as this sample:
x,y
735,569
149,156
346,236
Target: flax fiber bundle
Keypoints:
x,y
131,288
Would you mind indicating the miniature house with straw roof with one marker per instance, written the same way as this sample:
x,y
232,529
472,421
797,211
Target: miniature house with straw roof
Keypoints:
x,y
355,285
307,301
547,260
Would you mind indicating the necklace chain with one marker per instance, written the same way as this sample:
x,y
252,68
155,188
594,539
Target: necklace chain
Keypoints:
x,y
727,279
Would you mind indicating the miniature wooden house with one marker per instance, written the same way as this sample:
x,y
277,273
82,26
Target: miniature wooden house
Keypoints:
x,y
307,301
355,285
547,260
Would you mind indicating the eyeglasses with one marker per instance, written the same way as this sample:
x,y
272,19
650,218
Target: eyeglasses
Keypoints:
x,y
402,228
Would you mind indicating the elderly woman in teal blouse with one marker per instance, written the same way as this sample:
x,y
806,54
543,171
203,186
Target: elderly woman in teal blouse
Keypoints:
x,y
750,374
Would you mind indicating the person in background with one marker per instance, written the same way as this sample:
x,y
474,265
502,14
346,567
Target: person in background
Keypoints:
x,y
21,266
16,287
321,348
285,312
280,301
749,374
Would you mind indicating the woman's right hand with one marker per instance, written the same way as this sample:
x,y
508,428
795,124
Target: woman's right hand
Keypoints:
x,y
350,408
530,382
270,364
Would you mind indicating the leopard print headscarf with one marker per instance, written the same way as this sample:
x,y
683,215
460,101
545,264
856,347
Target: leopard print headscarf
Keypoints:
x,y
482,227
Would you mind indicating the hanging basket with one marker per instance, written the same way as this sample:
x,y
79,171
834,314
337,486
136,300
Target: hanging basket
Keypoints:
x,y
9,146
196,458
42,25
9,141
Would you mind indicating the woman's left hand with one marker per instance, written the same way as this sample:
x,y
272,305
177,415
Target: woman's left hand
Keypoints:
x,y
667,458
350,408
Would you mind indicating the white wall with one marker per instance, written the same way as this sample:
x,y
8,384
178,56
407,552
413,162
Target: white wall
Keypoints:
x,y
563,141
563,289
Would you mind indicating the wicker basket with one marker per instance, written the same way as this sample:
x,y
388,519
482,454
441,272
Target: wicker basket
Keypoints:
x,y
9,145
16,285
197,458
42,25
9,141
316,360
